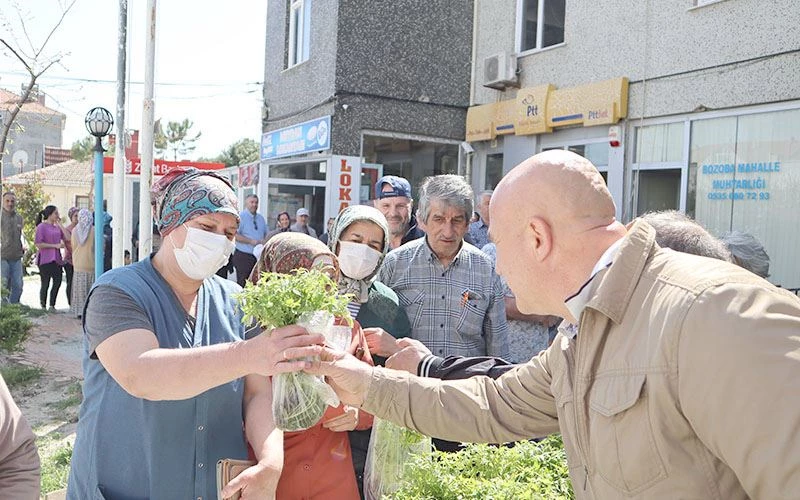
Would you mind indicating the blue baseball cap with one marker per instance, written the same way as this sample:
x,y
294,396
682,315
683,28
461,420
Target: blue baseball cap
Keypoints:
x,y
400,187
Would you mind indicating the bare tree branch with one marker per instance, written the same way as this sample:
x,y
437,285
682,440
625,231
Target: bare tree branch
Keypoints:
x,y
25,30
61,19
21,59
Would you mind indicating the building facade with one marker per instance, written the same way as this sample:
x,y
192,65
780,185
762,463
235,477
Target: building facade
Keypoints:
x,y
357,89
35,127
691,105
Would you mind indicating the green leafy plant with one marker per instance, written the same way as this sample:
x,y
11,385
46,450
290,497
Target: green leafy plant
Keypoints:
x,y
524,471
55,467
20,375
299,399
390,450
14,328
279,299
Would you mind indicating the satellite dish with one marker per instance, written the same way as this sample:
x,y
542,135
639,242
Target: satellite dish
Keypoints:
x,y
20,158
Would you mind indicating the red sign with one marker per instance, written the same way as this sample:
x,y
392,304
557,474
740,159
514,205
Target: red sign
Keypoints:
x,y
160,167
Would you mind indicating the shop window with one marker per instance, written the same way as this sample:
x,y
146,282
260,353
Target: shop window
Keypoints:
x,y
542,23
413,159
299,31
289,197
659,143
494,171
657,190
596,152
311,171
744,175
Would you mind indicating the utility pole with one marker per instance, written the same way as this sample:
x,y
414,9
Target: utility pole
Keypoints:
x,y
148,118
118,206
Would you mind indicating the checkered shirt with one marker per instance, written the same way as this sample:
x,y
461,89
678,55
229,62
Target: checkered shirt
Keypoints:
x,y
458,310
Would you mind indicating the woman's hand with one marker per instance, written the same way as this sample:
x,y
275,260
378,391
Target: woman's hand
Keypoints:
x,y
380,342
276,351
347,421
257,482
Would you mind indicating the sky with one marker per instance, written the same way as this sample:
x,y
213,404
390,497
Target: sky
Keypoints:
x,y
209,63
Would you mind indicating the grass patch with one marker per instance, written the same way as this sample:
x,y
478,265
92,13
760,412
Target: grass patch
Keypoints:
x,y
17,376
32,312
74,397
15,327
55,464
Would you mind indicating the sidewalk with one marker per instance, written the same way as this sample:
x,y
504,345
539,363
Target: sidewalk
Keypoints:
x,y
56,340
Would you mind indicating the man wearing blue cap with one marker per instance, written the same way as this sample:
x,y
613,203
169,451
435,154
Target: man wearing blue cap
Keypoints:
x,y
393,199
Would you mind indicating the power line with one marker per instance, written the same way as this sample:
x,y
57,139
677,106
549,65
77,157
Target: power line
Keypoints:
x,y
163,84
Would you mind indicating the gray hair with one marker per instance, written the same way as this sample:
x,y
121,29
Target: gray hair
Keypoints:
x,y
748,252
487,192
683,234
451,190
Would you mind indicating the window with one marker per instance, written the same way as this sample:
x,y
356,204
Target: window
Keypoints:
x,y
541,24
82,201
659,143
657,190
494,171
299,31
745,175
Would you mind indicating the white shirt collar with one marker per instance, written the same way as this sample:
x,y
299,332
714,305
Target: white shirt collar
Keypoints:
x,y
578,301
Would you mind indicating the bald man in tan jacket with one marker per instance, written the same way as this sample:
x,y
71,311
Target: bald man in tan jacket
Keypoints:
x,y
19,459
672,376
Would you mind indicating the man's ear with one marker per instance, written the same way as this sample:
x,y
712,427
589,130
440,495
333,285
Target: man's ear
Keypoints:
x,y
542,236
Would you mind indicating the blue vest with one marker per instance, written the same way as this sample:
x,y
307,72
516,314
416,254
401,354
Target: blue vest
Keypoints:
x,y
131,448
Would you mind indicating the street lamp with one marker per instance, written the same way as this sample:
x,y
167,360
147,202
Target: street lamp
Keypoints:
x,y
98,122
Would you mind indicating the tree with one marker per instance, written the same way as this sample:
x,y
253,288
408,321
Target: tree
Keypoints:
x,y
31,199
239,153
36,63
83,149
176,138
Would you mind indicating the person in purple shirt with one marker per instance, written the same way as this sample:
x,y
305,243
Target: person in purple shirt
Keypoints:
x,y
49,240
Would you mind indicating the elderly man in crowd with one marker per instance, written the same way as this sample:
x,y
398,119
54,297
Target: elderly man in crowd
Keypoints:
x,y
252,231
393,199
301,223
12,248
664,379
479,230
451,295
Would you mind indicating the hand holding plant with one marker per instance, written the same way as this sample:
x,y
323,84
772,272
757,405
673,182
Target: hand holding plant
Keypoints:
x,y
307,298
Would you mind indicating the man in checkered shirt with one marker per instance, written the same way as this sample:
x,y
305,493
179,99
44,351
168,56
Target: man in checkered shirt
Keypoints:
x,y
448,288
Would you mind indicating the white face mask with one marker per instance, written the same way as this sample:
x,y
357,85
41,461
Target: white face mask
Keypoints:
x,y
356,260
203,253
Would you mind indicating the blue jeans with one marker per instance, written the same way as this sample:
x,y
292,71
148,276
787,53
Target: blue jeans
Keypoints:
x,y
11,271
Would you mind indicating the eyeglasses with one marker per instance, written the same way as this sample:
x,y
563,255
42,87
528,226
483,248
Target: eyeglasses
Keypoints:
x,y
255,225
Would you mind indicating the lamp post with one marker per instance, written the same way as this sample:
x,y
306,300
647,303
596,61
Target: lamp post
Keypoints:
x,y
98,122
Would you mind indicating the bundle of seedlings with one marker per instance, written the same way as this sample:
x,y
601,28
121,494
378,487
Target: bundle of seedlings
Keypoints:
x,y
391,448
307,298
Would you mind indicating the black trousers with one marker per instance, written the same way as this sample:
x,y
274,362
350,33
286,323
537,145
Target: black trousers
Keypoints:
x,y
48,272
68,270
243,263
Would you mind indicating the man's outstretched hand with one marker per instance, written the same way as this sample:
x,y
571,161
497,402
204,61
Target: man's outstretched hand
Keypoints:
x,y
349,376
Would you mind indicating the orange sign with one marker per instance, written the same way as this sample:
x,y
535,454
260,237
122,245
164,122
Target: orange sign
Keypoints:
x,y
160,167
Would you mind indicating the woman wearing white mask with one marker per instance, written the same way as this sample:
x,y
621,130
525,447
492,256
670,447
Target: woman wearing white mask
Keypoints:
x,y
169,378
360,239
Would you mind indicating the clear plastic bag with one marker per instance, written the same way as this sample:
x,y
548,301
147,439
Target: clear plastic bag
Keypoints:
x,y
390,449
299,399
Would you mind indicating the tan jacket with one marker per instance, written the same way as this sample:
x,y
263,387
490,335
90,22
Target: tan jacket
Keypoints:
x,y
19,459
683,382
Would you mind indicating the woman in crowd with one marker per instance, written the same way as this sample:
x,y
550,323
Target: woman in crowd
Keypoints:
x,y
49,240
360,239
324,448
282,225
69,268
168,375
82,261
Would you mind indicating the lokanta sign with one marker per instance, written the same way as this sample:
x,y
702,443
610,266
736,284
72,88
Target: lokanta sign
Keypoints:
x,y
344,181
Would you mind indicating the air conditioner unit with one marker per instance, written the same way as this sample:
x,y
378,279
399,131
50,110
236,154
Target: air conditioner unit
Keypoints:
x,y
500,71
